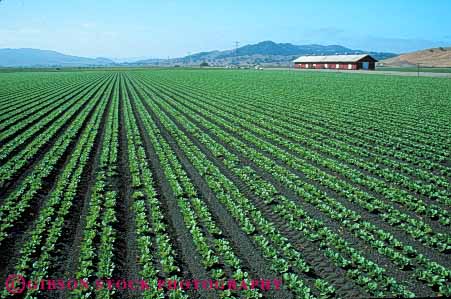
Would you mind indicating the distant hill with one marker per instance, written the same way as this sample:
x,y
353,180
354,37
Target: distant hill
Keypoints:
x,y
26,57
266,52
435,57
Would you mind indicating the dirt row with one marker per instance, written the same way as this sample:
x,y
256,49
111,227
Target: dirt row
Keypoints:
x,y
402,235
243,245
401,276
10,247
14,182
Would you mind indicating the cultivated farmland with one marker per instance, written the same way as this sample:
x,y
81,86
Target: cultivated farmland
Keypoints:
x,y
338,184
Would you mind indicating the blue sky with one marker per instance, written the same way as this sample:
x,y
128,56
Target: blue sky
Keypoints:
x,y
153,28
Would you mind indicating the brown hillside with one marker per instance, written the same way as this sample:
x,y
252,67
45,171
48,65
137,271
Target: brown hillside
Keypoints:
x,y
436,57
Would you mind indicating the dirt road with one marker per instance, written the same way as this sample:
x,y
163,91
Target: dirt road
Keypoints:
x,y
390,73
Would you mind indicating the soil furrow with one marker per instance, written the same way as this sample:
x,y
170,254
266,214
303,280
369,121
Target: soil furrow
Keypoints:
x,y
10,247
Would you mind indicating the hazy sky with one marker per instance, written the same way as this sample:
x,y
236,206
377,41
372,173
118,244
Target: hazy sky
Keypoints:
x,y
152,28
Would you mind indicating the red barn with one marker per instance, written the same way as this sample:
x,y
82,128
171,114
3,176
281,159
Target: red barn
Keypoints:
x,y
340,62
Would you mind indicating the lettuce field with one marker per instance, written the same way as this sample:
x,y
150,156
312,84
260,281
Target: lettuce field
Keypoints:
x,y
338,185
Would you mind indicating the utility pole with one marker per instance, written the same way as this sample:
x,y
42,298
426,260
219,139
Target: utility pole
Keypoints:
x,y
237,43
418,69
189,58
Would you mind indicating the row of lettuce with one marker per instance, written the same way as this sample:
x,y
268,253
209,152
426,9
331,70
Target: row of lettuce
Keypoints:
x,y
275,170
199,114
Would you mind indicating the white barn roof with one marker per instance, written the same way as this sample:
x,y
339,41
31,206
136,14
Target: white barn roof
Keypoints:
x,y
330,58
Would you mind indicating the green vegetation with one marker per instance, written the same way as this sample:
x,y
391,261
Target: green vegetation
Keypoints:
x,y
415,69
338,184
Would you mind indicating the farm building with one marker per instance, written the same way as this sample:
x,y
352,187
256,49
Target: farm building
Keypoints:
x,y
342,62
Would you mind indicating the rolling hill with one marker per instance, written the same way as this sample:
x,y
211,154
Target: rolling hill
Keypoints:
x,y
435,57
27,57
266,52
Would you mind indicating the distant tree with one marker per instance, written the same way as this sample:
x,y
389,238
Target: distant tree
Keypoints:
x,y
202,64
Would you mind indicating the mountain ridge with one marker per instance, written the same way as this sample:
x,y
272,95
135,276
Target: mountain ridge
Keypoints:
x,y
30,57
265,52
